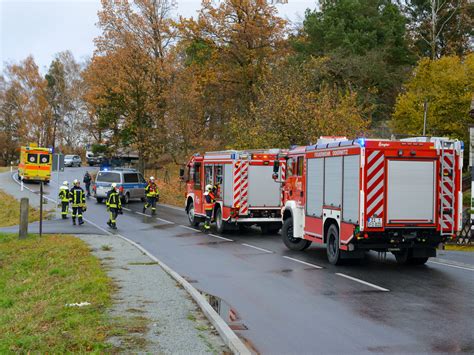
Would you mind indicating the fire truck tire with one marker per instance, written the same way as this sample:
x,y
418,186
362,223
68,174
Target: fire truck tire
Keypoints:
x,y
126,198
220,224
191,217
332,246
418,261
287,236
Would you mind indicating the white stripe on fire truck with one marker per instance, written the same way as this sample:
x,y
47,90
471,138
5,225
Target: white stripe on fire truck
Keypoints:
x,y
372,156
374,191
375,178
374,204
376,165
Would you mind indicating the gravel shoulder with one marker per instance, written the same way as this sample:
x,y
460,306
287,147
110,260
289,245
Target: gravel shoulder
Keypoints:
x,y
170,322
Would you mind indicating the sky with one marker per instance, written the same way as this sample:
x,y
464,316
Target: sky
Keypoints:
x,y
43,28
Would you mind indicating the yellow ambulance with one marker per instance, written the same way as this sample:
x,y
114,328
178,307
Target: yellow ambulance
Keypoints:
x,y
35,163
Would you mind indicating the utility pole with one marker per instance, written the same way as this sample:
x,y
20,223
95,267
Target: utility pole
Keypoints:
x,y
425,112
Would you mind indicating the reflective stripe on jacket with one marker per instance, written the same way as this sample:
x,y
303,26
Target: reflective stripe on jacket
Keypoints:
x,y
64,194
113,199
209,199
151,190
77,197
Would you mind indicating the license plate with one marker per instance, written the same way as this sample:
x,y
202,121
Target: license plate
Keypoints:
x,y
374,222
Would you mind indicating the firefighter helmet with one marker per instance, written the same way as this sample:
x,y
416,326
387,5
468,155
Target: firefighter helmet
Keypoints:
x,y
65,183
208,187
76,181
152,178
114,185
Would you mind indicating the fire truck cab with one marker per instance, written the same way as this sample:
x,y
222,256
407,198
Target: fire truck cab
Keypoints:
x,y
246,193
371,194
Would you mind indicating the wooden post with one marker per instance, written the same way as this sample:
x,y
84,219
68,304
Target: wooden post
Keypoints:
x,y
23,218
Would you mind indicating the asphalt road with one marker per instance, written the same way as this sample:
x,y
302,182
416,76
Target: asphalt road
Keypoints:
x,y
296,302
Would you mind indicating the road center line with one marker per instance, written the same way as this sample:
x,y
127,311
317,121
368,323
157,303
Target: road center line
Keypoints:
x,y
303,262
164,220
362,282
190,228
450,265
254,247
143,214
216,236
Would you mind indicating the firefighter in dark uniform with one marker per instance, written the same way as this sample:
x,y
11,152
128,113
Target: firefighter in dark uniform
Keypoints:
x,y
77,197
209,200
152,195
64,199
114,206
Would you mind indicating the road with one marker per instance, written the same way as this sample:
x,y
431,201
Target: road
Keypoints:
x,y
296,302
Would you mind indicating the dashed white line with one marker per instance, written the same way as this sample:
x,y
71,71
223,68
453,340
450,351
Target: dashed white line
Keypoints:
x,y
126,209
216,236
362,282
190,228
450,265
257,248
303,262
142,214
164,220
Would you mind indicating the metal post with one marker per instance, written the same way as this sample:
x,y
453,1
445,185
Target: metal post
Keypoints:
x,y
425,112
23,233
57,196
41,210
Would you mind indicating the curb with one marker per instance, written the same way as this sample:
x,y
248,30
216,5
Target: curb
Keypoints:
x,y
230,338
227,334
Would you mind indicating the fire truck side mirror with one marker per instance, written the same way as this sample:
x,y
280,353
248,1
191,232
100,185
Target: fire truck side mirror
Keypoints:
x,y
181,173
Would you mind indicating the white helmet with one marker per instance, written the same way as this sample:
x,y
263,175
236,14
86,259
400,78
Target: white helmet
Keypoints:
x,y
76,181
65,183
208,187
152,178
114,185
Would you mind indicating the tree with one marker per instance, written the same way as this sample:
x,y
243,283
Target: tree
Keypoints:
x,y
293,109
440,27
447,84
366,47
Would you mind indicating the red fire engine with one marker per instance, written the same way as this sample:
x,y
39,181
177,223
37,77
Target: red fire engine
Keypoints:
x,y
372,194
246,193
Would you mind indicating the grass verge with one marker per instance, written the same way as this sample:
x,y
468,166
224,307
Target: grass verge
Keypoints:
x,y
4,169
456,247
10,211
38,277
171,188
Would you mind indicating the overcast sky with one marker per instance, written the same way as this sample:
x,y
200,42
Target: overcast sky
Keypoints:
x,y
45,27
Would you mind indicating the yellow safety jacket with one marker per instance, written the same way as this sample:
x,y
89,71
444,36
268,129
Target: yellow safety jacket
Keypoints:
x,y
113,200
64,194
77,197
151,190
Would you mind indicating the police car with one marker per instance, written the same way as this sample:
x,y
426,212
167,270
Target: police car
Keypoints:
x,y
130,182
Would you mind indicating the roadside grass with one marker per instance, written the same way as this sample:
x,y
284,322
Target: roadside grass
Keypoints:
x,y
4,169
466,198
38,277
456,247
10,211
171,188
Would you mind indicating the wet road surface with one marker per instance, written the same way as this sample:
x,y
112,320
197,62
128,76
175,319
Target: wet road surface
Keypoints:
x,y
288,302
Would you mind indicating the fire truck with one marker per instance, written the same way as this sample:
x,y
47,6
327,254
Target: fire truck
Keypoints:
x,y
400,196
246,193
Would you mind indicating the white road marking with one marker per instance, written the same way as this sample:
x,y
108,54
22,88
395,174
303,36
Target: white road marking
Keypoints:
x,y
362,282
304,262
450,265
172,207
164,220
254,247
190,228
95,225
143,214
216,236
126,209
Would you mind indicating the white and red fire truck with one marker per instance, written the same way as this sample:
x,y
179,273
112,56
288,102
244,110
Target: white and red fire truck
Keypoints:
x,y
246,193
371,194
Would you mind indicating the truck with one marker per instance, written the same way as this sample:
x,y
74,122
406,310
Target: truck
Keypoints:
x,y
399,196
246,193
35,163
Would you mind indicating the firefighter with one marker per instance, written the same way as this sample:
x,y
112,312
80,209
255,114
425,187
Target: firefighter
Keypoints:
x,y
64,199
209,200
114,206
152,195
77,197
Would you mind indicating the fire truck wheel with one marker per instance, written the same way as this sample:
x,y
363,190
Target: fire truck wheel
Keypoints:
x,y
402,256
418,261
291,242
332,247
191,217
220,224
